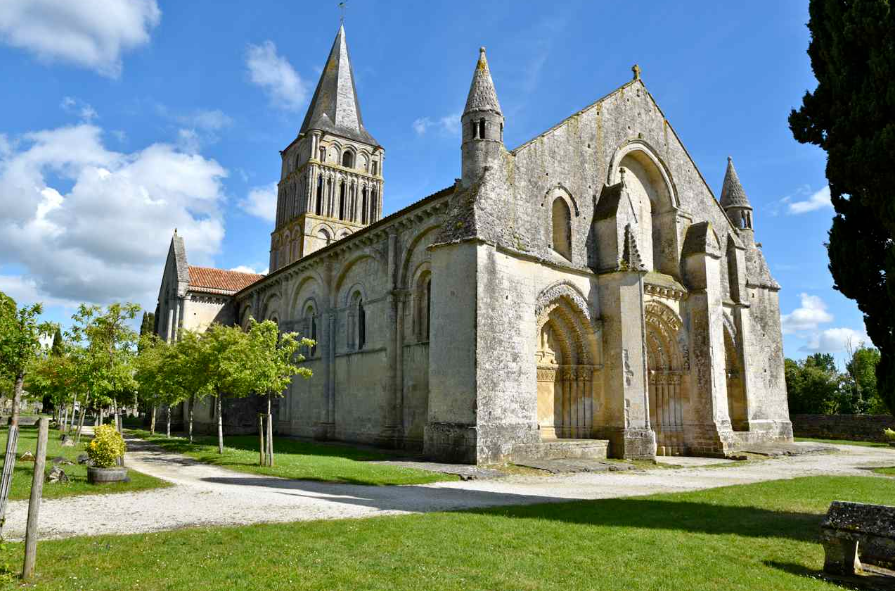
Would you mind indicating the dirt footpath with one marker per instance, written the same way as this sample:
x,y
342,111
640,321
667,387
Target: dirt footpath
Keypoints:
x,y
207,495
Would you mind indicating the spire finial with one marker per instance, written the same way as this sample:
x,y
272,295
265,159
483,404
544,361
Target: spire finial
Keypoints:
x,y
636,69
175,231
482,49
342,7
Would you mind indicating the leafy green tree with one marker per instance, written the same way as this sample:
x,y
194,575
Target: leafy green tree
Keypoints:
x,y
20,335
274,359
108,348
221,367
851,116
812,386
153,375
861,378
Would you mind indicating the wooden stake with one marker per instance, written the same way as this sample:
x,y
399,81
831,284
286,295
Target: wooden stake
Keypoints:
x,y
37,487
9,463
261,440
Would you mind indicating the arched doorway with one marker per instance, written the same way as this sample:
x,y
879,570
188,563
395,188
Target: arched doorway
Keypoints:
x,y
666,376
565,371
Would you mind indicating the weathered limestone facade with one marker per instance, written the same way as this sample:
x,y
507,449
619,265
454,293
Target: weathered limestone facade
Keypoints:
x,y
584,292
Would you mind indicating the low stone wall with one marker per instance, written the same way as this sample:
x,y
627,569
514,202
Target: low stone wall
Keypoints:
x,y
849,427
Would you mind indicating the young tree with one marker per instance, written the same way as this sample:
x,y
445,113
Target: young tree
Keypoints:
x,y
185,371
221,363
20,335
109,345
273,358
851,116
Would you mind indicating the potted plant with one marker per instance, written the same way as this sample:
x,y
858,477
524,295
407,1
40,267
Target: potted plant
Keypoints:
x,y
890,436
105,449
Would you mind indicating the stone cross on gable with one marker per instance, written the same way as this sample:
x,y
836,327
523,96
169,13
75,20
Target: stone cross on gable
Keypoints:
x,y
636,70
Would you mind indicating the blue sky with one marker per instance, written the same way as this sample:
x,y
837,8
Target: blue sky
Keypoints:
x,y
128,118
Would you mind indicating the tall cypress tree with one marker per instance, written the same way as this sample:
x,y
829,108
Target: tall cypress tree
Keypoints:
x,y
851,116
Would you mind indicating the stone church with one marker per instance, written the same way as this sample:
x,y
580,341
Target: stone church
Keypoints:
x,y
581,295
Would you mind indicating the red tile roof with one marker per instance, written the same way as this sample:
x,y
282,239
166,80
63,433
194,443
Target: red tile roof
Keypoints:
x,y
219,280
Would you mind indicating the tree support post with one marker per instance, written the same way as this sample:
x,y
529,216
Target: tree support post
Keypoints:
x,y
37,485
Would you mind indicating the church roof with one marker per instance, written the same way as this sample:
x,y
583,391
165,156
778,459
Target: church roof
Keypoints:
x,y
335,108
482,96
220,281
732,193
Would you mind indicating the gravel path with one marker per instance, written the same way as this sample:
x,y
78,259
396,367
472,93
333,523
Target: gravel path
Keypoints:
x,y
206,495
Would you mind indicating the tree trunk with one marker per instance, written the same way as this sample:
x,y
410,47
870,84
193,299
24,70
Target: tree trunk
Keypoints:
x,y
220,426
192,405
169,422
17,398
83,414
152,421
71,425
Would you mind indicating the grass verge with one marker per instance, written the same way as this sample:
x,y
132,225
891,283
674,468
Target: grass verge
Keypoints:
x,y
890,471
77,473
843,442
759,536
300,460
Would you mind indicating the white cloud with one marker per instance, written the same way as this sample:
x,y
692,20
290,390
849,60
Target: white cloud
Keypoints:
x,y
247,269
811,314
78,107
276,76
90,34
449,124
262,202
835,340
106,237
817,200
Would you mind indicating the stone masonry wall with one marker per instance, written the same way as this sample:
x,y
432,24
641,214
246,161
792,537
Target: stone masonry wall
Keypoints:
x,y
848,427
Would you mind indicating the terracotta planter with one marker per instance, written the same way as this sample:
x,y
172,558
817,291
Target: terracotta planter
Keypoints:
x,y
106,475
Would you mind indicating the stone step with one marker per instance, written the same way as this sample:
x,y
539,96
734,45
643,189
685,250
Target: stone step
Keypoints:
x,y
594,449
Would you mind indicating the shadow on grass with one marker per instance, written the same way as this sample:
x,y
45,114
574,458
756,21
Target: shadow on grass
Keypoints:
x,y
629,512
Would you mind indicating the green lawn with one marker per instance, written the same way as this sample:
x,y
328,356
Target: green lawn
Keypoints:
x,y
844,442
77,484
886,471
761,536
302,460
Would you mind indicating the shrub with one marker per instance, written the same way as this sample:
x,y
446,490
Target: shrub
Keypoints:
x,y
107,446
890,435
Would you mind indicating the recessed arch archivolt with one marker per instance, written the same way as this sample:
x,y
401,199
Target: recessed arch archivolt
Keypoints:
x,y
649,157
560,190
411,249
316,288
346,268
271,306
563,302
666,340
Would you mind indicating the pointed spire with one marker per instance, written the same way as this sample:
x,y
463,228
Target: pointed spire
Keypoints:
x,y
482,96
732,193
335,108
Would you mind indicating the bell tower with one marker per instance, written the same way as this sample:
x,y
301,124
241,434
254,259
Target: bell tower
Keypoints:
x,y
331,180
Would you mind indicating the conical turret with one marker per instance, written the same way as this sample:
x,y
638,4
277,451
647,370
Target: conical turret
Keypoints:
x,y
482,122
335,108
734,200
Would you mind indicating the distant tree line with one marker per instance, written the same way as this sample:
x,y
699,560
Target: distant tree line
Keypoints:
x,y
815,385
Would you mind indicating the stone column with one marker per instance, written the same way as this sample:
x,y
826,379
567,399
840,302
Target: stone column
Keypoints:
x,y
627,423
708,387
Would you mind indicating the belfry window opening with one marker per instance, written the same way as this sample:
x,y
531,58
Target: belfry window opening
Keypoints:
x,y
482,129
318,208
348,159
342,191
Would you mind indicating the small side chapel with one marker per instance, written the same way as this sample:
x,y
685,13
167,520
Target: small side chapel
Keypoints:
x,y
583,294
